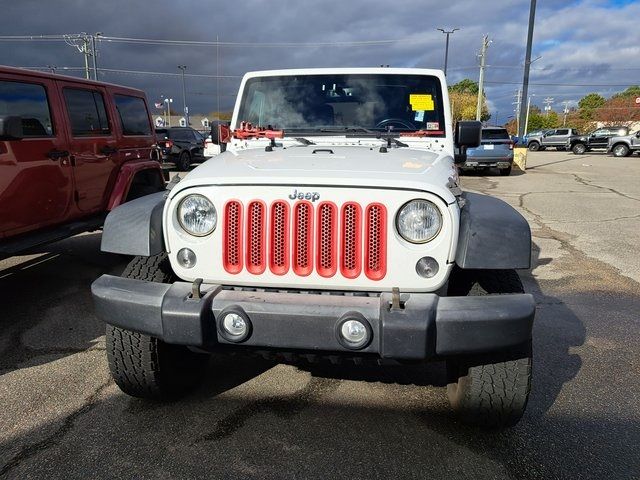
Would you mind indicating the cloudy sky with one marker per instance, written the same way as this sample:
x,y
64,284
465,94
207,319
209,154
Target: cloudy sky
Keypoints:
x,y
584,45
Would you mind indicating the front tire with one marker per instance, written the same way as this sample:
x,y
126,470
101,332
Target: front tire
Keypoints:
x,y
144,366
505,172
489,390
534,146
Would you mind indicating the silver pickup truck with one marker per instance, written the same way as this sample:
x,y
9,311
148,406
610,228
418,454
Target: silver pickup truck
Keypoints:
x,y
624,146
552,138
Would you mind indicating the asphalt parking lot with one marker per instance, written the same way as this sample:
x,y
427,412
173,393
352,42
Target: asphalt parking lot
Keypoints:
x,y
62,416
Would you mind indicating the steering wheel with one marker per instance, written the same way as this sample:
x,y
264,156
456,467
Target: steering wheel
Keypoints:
x,y
396,122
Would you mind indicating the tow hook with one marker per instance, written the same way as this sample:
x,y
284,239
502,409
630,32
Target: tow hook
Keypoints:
x,y
396,302
195,289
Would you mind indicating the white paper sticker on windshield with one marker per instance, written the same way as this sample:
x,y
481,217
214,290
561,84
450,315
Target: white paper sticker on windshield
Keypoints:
x,y
433,126
419,116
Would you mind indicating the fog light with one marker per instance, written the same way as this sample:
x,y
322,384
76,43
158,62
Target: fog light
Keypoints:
x,y
427,267
234,324
186,258
354,333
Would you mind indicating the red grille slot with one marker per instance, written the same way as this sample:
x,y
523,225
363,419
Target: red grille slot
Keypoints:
x,y
375,251
302,255
351,240
255,248
327,239
232,237
279,238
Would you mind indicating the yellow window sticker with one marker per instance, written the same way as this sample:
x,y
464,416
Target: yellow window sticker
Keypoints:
x,y
421,101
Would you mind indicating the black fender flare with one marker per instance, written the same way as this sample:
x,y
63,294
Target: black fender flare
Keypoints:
x,y
493,235
135,227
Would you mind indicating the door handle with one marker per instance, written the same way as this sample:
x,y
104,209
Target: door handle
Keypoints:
x,y
57,154
107,150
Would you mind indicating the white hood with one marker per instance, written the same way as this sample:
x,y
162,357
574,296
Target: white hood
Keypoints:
x,y
357,166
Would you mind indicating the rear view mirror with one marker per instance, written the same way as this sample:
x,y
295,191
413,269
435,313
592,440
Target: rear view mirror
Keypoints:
x,y
11,128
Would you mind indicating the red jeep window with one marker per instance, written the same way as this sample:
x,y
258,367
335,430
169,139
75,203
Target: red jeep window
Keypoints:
x,y
133,115
87,113
29,102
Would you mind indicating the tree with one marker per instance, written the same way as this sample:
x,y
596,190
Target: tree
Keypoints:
x,y
632,92
618,110
465,86
589,103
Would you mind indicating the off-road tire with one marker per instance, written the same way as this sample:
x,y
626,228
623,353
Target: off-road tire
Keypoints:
x,y
505,172
534,146
489,390
620,150
184,162
144,366
579,149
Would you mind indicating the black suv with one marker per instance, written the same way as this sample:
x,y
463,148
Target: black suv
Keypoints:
x,y
598,139
181,146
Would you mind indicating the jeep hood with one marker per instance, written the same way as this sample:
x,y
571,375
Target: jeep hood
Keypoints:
x,y
357,166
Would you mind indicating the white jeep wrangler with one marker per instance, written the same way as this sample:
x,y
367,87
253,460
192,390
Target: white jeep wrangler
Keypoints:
x,y
332,226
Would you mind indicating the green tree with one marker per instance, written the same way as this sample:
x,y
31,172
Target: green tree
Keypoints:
x,y
632,91
465,86
589,104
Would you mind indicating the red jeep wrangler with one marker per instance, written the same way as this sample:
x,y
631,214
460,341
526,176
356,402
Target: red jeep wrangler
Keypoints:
x,y
70,151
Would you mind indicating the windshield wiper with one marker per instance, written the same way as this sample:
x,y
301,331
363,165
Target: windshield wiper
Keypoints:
x,y
348,130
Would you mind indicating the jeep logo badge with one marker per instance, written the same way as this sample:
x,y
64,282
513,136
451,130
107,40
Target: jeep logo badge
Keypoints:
x,y
296,195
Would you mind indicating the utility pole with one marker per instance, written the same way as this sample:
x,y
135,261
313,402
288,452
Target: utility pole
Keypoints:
x,y
483,57
527,64
517,110
547,105
184,95
565,111
446,48
94,53
81,43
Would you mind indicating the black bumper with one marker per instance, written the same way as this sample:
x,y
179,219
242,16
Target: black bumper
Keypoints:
x,y
426,326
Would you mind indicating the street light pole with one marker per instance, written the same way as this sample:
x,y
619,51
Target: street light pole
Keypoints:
x,y
184,95
446,48
527,66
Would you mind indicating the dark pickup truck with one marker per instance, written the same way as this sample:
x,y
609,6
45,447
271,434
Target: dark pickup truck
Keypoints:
x,y
598,139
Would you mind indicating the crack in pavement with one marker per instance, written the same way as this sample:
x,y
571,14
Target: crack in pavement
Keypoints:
x,y
24,354
589,183
283,406
28,451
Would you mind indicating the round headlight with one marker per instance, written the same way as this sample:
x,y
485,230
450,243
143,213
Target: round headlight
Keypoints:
x,y
197,215
418,221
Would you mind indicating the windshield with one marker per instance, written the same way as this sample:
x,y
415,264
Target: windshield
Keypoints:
x,y
495,134
340,102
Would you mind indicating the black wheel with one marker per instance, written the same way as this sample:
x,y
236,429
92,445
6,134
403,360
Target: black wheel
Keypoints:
x,y
505,172
579,148
534,146
184,162
489,390
621,150
144,366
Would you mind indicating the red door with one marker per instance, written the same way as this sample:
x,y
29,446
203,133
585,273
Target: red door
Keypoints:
x,y
92,144
35,171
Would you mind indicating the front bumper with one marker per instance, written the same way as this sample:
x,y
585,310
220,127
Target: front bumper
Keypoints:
x,y
426,325
480,162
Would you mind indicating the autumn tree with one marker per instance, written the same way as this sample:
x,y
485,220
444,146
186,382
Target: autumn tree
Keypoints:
x,y
589,104
463,97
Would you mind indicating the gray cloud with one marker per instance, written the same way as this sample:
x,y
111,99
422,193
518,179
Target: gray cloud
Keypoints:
x,y
584,42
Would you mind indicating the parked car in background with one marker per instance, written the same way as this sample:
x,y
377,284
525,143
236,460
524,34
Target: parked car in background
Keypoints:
x,y
623,146
495,151
598,139
70,151
551,138
181,146
534,133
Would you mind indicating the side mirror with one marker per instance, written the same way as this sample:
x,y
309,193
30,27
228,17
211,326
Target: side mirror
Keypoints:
x,y
638,134
220,132
468,135
11,128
